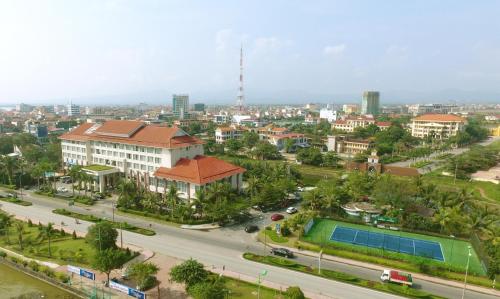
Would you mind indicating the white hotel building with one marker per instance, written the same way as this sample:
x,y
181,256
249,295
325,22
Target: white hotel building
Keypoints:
x,y
154,156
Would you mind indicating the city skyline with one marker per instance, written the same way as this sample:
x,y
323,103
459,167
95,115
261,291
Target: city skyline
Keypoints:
x,y
327,52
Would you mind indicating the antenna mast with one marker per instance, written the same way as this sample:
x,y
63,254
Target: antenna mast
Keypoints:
x,y
240,98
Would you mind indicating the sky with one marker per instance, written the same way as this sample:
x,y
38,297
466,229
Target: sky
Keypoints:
x,y
294,51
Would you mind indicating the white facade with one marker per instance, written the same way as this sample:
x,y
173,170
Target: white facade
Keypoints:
x,y
329,115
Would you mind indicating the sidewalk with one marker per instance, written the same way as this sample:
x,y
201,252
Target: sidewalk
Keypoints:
x,y
451,283
265,283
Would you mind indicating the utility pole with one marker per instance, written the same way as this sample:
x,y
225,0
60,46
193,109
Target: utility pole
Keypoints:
x,y
456,168
121,236
319,261
466,271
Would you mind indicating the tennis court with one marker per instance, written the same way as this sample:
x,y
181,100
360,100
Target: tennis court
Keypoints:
x,y
390,242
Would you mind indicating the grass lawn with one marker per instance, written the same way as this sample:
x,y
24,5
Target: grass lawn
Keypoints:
x,y
245,290
64,248
454,251
491,191
97,167
313,174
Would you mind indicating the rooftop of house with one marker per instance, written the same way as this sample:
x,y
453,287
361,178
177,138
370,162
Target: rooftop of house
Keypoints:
x,y
199,170
132,132
439,118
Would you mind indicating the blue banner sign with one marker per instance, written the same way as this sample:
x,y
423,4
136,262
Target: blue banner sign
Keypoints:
x,y
81,272
127,290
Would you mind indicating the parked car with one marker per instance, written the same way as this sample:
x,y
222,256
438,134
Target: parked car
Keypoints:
x,y
97,196
66,179
276,217
62,189
251,228
291,210
282,252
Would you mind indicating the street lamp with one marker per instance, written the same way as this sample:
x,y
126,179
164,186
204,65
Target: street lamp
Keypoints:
x,y
466,271
261,274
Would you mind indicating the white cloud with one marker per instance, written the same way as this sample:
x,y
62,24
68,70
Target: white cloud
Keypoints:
x,y
222,39
334,50
270,44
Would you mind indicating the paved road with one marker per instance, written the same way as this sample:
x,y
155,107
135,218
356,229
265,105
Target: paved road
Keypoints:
x,y
432,157
223,247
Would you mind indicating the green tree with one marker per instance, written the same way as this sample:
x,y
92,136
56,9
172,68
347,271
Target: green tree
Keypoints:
x,y
127,192
250,139
46,233
5,223
19,226
331,159
208,290
189,272
294,293
108,259
310,156
75,174
102,236
233,146
263,150
143,274
172,198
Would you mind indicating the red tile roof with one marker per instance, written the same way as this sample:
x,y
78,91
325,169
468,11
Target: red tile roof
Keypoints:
x,y
199,170
383,123
140,134
439,118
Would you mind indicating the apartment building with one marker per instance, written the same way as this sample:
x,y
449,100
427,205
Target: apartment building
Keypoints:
x,y
153,156
299,140
344,145
440,126
350,123
418,109
223,134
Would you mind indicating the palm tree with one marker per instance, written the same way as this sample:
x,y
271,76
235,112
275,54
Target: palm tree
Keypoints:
x,y
127,191
199,201
10,165
481,220
46,233
150,202
253,185
313,199
172,198
19,226
37,172
74,173
5,223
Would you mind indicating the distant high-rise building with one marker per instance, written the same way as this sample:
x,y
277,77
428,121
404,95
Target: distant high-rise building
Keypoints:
x,y
370,103
24,108
180,105
199,107
73,110
350,108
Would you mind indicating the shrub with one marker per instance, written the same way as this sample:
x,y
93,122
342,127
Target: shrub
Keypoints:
x,y
14,259
74,235
207,290
34,266
30,224
3,254
294,293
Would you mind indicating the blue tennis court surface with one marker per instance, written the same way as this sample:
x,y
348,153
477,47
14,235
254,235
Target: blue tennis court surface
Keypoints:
x,y
411,246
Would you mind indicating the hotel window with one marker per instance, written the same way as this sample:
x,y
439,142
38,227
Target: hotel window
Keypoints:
x,y
150,159
143,167
122,155
182,187
129,164
136,166
157,160
150,150
150,168
136,157
142,158
142,149
158,150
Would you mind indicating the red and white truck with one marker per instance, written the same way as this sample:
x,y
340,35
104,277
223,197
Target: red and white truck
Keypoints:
x,y
397,277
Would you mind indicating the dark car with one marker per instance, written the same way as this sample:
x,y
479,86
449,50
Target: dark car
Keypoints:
x,y
97,196
276,217
251,228
282,252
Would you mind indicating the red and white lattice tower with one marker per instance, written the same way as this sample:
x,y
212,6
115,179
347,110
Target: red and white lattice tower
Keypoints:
x,y
240,99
